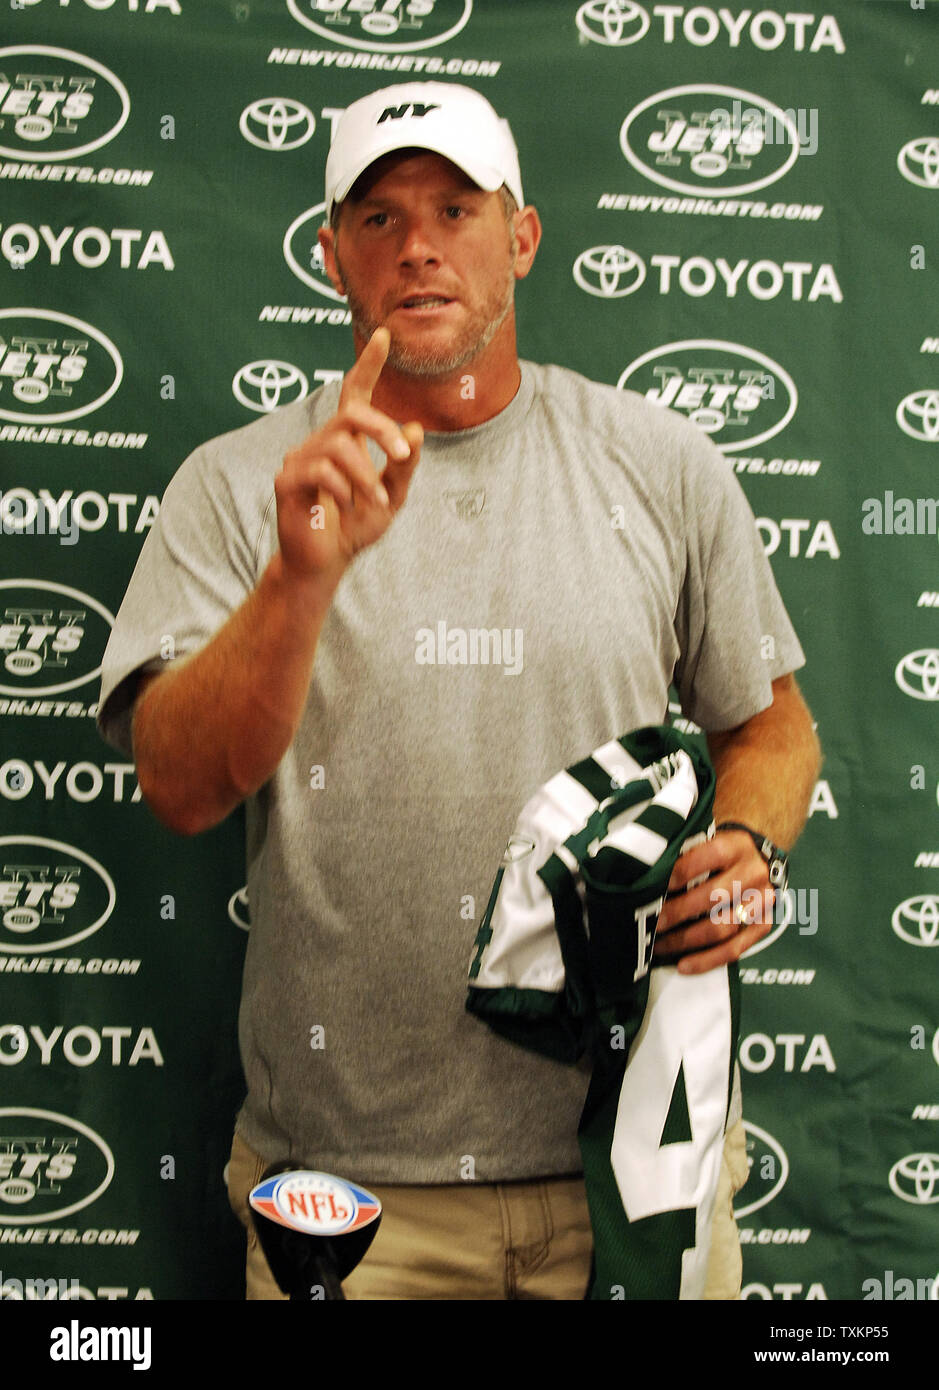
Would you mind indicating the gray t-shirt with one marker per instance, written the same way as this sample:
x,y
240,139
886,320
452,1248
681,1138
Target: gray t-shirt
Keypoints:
x,y
552,571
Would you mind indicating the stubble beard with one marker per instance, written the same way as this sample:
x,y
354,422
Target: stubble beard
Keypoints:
x,y
427,361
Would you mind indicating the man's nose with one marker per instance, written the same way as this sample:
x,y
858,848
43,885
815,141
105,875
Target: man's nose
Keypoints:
x,y
418,246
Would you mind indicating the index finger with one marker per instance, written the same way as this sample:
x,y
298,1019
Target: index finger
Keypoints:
x,y
361,379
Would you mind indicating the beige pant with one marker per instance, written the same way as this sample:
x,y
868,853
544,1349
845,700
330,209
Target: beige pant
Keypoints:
x,y
486,1240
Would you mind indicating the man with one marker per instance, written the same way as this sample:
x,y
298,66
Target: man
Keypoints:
x,y
386,697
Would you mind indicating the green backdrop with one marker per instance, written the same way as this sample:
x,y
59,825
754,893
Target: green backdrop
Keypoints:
x,y
769,270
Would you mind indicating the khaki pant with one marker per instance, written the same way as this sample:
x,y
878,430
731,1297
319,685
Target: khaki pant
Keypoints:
x,y
486,1240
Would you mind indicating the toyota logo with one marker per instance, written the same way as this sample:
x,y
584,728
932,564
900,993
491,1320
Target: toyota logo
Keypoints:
x,y
277,123
916,1179
918,161
916,921
917,674
612,22
602,269
262,385
918,415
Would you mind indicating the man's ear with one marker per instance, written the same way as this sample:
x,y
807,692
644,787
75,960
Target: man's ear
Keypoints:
x,y
527,225
327,240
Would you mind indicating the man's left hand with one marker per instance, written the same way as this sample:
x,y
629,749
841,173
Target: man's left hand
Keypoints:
x,y
715,922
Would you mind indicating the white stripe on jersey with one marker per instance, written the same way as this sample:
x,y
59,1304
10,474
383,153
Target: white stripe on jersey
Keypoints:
x,y
635,840
614,759
681,792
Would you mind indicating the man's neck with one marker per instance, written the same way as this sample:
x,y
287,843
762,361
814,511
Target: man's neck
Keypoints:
x,y
468,396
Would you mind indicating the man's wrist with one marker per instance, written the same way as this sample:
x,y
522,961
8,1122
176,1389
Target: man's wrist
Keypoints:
x,y
310,592
777,859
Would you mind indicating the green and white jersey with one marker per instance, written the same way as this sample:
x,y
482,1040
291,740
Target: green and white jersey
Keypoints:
x,y
562,966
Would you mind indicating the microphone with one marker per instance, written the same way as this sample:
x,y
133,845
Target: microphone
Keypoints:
x,y
314,1229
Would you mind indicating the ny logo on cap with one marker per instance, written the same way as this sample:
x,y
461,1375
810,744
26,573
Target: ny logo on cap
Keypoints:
x,y
394,113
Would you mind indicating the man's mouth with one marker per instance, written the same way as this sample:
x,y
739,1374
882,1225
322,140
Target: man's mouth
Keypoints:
x,y
424,301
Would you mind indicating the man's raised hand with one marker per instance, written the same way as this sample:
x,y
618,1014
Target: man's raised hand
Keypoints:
x,y
330,501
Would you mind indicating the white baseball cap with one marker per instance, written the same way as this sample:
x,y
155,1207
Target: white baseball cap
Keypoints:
x,y
456,122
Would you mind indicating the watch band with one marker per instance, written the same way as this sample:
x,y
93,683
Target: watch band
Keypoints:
x,y
776,858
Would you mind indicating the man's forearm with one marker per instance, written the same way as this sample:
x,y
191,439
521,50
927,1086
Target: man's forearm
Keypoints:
x,y
211,731
767,769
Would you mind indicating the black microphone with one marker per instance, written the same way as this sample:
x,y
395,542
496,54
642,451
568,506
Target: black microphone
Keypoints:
x,y
313,1228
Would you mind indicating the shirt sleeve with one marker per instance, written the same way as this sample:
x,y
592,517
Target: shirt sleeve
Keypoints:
x,y
196,567
734,632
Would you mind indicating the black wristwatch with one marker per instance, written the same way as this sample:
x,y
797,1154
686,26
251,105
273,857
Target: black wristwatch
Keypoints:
x,y
776,858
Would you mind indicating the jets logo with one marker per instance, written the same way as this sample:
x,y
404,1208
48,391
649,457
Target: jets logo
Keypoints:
x,y
769,1166
303,253
50,634
54,367
51,895
721,139
392,26
738,396
56,104
50,1166
467,505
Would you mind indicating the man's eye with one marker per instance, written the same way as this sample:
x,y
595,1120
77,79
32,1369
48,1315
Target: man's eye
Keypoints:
x,y
377,219
454,212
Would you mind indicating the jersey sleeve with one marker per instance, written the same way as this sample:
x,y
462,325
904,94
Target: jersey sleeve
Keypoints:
x,y
195,569
733,630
